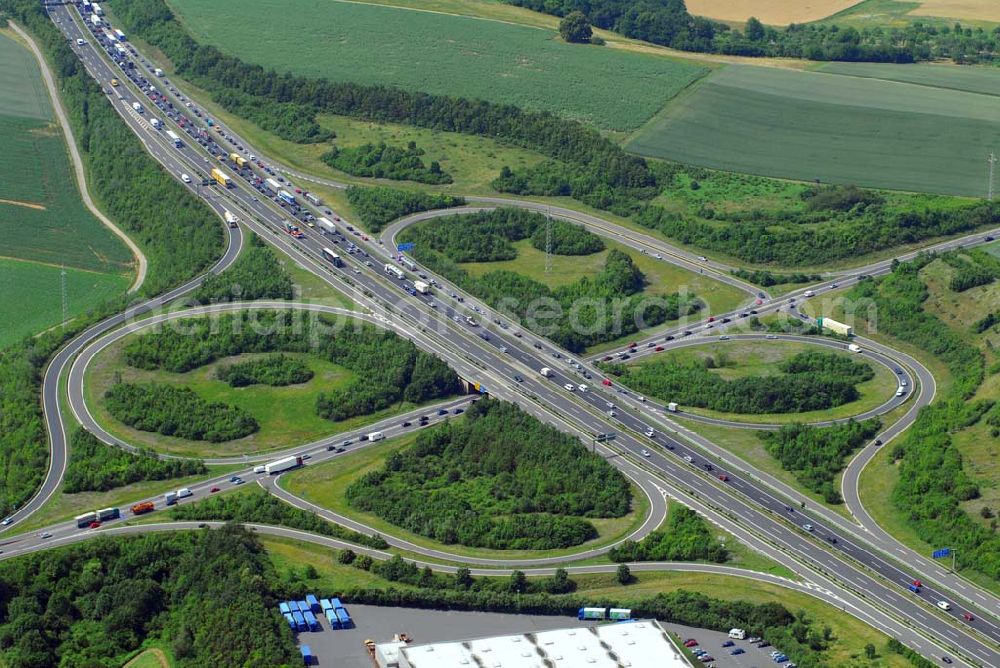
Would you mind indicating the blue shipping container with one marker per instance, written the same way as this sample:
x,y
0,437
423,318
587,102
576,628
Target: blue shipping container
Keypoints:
x,y
313,603
300,621
290,620
345,619
336,603
304,607
307,655
331,617
325,604
283,607
311,621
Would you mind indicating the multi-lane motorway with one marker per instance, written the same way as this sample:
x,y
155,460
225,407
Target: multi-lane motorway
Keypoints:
x,y
849,566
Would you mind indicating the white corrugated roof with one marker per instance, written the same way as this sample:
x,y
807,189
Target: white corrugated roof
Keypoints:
x,y
639,644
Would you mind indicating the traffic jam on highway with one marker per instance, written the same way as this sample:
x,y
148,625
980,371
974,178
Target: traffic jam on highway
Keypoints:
x,y
509,352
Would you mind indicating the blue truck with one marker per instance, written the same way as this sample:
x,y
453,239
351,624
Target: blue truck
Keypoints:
x,y
300,621
313,603
307,655
311,621
331,616
343,618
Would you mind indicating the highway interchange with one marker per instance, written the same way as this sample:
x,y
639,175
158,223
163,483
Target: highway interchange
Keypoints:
x,y
864,572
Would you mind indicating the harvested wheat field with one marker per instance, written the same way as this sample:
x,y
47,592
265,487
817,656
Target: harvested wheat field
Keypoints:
x,y
966,10
783,12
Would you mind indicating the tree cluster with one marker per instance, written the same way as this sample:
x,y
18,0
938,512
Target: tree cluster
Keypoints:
x,y
805,385
389,368
498,479
767,279
383,161
177,411
274,370
687,537
256,274
668,23
377,207
592,310
815,455
794,237
208,594
255,505
932,480
971,269
96,467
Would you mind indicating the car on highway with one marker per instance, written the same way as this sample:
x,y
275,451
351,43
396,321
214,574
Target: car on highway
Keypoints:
x,y
967,616
771,336
7,521
807,527
79,42
517,379
645,453
569,387
444,411
213,490
689,459
457,411
723,477
94,525
185,178
44,535
944,605
407,424
690,642
236,480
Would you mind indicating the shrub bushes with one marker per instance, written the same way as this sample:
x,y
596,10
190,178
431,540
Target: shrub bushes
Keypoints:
x,y
96,467
256,274
686,538
377,207
273,370
386,162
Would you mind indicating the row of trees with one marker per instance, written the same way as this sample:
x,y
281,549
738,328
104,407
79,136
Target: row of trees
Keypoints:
x,y
667,22
815,455
274,370
687,537
932,480
383,161
256,274
379,206
208,595
499,479
690,382
389,368
766,278
96,467
255,505
177,411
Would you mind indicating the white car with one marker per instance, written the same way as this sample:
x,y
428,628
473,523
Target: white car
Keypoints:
x,y
79,42
650,433
612,414
7,521
185,178
807,527
944,605
688,458
645,453
46,534
569,386
582,388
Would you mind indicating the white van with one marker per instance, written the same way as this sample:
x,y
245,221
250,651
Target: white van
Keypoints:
x,y
808,293
184,492
376,436
900,391
854,348
737,634
583,388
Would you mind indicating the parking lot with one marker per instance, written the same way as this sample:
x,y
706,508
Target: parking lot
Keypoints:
x,y
345,647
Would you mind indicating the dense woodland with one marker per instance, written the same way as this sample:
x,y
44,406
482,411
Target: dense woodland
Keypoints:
x,y
593,310
390,369
816,454
274,370
932,481
809,381
668,23
256,505
377,207
971,268
256,274
687,537
96,467
498,478
177,411
207,594
383,161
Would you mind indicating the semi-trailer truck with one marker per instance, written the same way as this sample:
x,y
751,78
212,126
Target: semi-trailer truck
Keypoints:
x,y
120,35
332,257
326,226
238,159
421,287
95,20
83,521
395,272
106,514
284,464
312,198
273,185
221,178
231,219
286,196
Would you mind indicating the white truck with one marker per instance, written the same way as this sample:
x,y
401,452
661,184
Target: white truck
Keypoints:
x,y
137,107
273,185
421,287
95,20
156,123
231,219
545,371
737,634
854,348
325,225
376,436
97,9
158,72
184,492
283,464
672,407
175,138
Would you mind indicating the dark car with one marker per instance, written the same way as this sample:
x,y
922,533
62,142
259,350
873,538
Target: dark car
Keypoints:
x,y
458,410
407,423
442,411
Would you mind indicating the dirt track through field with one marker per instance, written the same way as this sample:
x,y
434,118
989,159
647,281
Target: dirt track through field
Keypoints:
x,y
777,12
29,205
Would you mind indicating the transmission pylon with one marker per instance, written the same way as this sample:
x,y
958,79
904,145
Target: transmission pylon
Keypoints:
x,y
992,160
548,244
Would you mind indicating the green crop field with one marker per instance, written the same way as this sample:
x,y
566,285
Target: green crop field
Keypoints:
x,y
22,92
924,131
31,299
444,54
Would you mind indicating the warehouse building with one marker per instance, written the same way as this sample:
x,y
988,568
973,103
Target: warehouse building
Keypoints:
x,y
636,644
